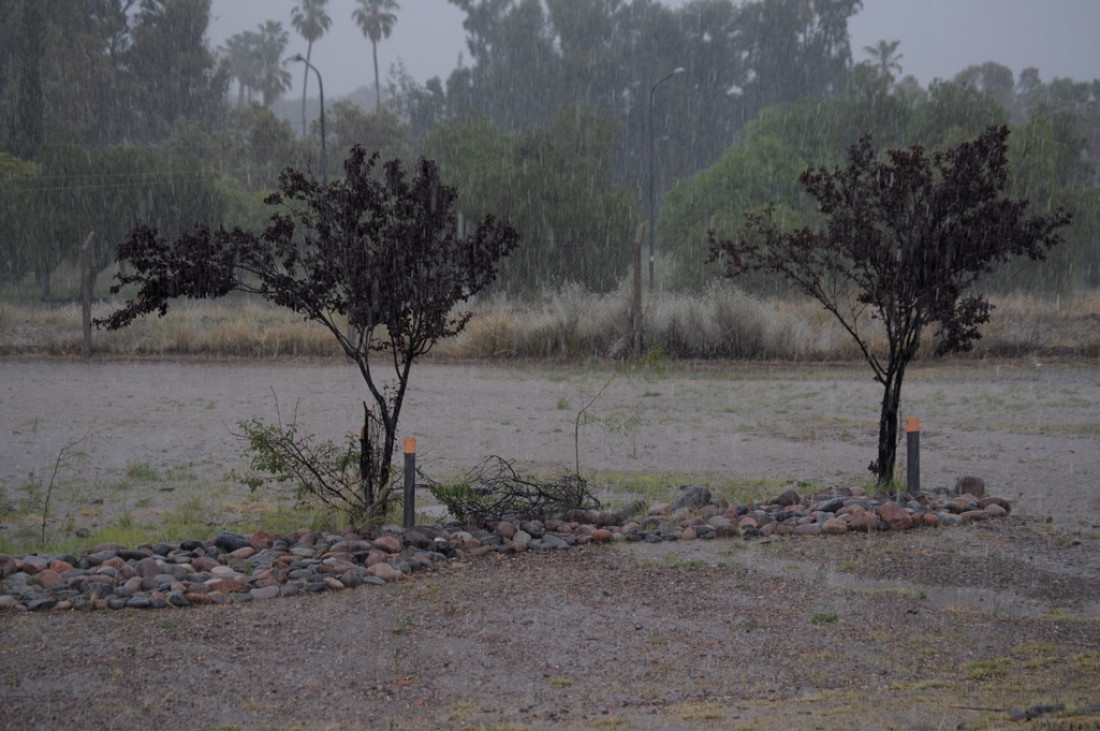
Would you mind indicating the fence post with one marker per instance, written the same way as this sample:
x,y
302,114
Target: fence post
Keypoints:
x,y
410,481
912,434
86,293
636,294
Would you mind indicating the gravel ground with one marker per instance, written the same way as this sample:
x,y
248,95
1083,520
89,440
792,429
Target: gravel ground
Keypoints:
x,y
932,629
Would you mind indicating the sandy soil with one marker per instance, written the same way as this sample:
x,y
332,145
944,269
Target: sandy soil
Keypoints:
x,y
1030,430
923,630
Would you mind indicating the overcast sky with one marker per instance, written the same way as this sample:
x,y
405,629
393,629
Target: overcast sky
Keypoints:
x,y
938,37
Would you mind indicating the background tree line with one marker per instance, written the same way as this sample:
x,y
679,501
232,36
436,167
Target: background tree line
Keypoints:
x,y
115,110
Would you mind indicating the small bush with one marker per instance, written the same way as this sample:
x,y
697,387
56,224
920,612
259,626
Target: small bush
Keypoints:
x,y
326,472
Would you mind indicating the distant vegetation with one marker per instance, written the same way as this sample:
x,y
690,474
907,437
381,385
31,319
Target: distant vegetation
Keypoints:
x,y
545,125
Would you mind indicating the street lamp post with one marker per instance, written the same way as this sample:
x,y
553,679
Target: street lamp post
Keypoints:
x,y
652,190
321,88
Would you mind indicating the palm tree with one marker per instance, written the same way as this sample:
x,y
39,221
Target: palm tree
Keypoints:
x,y
376,18
242,54
274,79
884,57
311,21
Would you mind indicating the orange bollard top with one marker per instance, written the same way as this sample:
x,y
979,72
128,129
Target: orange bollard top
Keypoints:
x,y
410,445
912,424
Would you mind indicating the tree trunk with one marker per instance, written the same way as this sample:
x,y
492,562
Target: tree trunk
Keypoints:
x,y
377,85
888,427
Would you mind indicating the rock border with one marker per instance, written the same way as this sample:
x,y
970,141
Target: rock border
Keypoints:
x,y
234,568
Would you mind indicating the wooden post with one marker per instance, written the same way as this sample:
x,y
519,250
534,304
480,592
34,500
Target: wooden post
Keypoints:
x,y
86,293
636,303
912,433
410,482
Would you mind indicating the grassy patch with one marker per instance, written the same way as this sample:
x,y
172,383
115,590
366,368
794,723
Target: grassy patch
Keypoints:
x,y
824,618
997,667
142,472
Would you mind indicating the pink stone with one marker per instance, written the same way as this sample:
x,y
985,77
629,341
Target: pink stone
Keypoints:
x,y
688,535
747,522
727,530
261,540
384,571
985,502
60,566
995,510
388,543
337,565
246,552
895,516
48,578
607,517
807,529
788,498
834,527
863,521
228,586
376,557
505,530
205,563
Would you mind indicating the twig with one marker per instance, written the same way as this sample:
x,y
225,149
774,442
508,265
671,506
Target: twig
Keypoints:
x,y
49,488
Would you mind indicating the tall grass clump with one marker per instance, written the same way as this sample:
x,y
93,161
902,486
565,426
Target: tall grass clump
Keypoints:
x,y
722,322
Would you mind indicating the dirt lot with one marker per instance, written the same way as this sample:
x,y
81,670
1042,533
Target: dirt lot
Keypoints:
x,y
928,629
1030,430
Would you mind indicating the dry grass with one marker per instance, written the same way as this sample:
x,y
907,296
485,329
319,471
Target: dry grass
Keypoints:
x,y
722,323
221,329
726,323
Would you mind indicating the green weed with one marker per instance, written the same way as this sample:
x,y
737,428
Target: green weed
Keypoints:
x,y
142,472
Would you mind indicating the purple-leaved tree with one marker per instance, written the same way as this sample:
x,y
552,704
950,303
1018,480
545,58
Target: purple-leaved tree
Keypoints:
x,y
374,257
905,235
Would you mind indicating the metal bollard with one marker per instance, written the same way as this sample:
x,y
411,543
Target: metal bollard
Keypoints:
x,y
912,434
410,481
